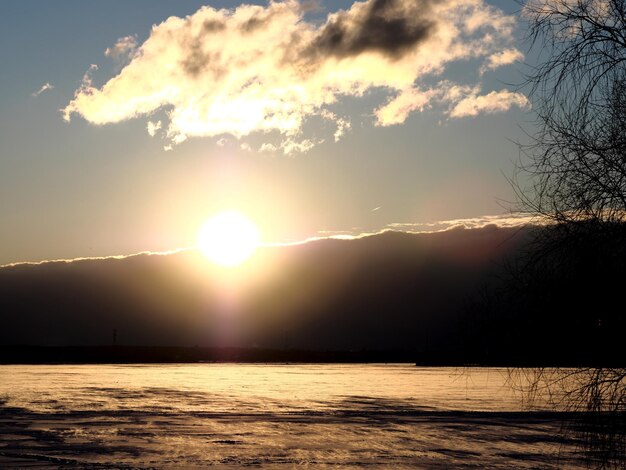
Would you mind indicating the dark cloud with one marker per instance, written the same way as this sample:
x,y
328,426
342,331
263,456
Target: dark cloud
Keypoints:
x,y
198,61
389,27
255,23
213,26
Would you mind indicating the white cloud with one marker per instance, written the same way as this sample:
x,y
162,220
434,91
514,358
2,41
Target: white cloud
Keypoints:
x,y
45,87
178,138
153,127
461,101
267,147
343,125
291,146
398,108
266,69
502,58
496,101
513,220
518,219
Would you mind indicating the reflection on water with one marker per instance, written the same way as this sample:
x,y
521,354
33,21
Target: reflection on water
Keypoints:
x,y
206,414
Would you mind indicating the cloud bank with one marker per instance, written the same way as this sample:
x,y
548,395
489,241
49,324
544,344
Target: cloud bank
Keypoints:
x,y
268,69
512,220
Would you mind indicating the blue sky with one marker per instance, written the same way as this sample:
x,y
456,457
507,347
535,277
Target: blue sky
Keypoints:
x,y
86,188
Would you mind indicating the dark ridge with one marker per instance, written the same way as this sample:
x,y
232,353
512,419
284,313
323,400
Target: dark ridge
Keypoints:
x,y
23,354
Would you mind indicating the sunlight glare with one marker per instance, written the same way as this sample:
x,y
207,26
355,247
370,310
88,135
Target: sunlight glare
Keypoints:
x,y
228,239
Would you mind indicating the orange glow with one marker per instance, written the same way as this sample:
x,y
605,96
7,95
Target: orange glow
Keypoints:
x,y
228,239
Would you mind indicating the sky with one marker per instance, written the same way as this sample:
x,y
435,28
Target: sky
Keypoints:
x,y
125,125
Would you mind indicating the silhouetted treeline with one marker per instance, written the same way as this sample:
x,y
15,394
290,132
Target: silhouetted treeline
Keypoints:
x,y
172,354
561,301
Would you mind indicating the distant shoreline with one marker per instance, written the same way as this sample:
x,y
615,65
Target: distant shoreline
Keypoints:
x,y
123,354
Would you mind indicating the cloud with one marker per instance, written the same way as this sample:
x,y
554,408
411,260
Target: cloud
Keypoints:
x,y
390,28
342,125
511,220
124,49
504,221
99,258
398,109
153,127
86,87
267,147
496,101
291,146
502,58
267,69
461,101
45,87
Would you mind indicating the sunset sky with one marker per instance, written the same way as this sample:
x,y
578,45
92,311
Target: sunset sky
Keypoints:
x,y
125,125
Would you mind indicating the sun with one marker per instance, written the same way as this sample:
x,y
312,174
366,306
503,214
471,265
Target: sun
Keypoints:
x,y
228,238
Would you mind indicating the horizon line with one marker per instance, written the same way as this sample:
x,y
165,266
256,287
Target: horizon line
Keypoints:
x,y
472,223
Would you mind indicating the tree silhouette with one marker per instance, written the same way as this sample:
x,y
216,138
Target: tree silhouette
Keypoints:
x,y
575,165
572,174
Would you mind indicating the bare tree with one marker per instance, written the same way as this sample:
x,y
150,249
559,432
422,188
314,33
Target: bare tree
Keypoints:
x,y
575,166
573,173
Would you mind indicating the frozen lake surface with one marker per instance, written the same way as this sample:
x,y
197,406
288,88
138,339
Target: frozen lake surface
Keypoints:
x,y
346,416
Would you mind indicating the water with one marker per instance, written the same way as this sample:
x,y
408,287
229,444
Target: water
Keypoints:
x,y
162,416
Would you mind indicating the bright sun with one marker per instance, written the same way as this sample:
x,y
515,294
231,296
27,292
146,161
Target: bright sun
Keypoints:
x,y
228,239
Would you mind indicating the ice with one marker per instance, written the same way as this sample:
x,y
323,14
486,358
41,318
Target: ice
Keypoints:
x,y
347,416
